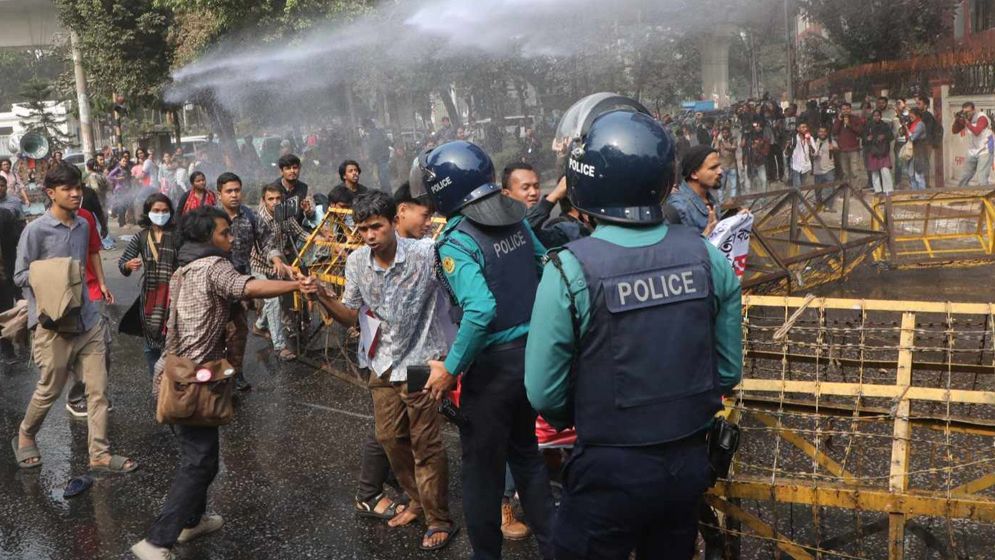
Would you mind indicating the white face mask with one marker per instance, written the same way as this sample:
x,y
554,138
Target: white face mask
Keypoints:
x,y
159,218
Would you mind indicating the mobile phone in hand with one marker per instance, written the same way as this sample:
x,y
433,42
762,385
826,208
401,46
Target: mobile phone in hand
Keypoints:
x,y
417,378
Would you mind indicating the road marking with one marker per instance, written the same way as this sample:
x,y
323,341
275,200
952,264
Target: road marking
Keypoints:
x,y
346,412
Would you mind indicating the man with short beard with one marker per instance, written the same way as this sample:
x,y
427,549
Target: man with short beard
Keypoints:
x,y
694,199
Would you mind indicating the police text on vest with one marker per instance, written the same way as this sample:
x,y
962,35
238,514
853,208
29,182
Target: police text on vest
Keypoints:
x,y
657,287
509,244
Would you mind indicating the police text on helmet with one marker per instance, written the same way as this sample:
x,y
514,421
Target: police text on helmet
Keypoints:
x,y
509,244
442,184
582,168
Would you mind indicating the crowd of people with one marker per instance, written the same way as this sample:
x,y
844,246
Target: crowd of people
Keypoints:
x,y
876,144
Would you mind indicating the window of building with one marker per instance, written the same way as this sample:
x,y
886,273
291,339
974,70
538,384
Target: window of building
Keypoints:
x,y
982,15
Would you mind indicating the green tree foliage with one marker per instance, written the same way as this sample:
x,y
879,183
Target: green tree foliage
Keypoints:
x,y
125,47
18,66
875,30
37,97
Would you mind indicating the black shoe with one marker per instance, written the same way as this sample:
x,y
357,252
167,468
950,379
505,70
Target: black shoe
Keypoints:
x,y
241,384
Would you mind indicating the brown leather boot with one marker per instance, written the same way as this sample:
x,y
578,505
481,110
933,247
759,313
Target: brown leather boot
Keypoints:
x,y
511,527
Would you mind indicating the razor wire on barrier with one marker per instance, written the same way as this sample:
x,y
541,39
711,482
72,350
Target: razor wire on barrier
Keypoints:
x,y
868,431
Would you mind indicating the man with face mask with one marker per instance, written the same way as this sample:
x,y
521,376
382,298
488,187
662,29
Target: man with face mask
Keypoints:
x,y
695,198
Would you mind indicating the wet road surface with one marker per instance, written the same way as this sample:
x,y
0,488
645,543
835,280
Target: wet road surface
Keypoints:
x,y
288,475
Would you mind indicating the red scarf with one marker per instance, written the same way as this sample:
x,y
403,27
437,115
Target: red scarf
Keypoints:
x,y
194,202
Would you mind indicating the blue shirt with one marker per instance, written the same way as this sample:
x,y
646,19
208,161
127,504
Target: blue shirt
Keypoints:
x,y
48,238
690,206
461,265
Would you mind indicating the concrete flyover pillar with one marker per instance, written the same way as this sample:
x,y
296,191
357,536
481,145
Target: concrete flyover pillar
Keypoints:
x,y
714,47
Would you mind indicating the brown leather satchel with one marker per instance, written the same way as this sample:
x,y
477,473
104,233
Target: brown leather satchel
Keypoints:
x,y
185,397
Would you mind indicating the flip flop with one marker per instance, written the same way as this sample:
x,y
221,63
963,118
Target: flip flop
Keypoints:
x,y
22,454
77,486
116,466
432,531
368,509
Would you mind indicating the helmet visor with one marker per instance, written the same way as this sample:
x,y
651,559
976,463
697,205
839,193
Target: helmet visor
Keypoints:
x,y
578,118
418,176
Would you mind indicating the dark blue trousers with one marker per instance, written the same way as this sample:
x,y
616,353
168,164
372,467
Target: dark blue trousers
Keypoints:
x,y
501,429
622,499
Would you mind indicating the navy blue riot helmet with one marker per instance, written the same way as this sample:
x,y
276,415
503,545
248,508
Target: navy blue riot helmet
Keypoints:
x,y
620,162
459,178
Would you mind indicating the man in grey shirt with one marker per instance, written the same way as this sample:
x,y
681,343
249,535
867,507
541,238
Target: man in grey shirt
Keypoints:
x,y
60,232
391,282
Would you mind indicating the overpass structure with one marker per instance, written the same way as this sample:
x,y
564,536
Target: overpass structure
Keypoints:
x,y
29,23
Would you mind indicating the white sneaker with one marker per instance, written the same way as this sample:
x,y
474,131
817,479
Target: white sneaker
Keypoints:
x,y
144,550
209,523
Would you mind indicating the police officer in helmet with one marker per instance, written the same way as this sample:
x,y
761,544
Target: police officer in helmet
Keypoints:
x,y
639,338
489,261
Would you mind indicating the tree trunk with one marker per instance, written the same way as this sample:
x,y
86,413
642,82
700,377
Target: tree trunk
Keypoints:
x,y
451,110
224,126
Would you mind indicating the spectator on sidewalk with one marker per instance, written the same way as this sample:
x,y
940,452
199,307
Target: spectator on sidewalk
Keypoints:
x,y
847,130
918,166
877,142
979,134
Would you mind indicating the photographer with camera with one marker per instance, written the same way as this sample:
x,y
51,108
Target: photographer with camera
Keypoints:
x,y
979,132
756,147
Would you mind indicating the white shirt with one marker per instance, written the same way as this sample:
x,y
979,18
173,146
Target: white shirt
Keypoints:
x,y
800,158
979,142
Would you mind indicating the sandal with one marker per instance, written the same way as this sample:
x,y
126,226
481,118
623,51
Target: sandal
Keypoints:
x,y
432,531
24,454
116,466
369,508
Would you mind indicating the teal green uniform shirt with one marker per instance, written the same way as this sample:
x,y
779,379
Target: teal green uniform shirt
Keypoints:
x,y
550,346
461,265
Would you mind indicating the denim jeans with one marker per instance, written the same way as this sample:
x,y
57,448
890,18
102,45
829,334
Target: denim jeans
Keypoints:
x,y
152,355
383,175
271,317
758,179
822,195
730,183
977,164
917,180
798,179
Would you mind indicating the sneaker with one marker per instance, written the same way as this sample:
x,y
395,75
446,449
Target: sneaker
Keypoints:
x,y
77,409
511,527
209,523
145,550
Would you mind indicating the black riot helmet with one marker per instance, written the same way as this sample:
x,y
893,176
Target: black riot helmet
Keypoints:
x,y
459,178
620,160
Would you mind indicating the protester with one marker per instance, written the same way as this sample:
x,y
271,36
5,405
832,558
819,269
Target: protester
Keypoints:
x,y
14,184
727,147
102,298
296,204
9,202
824,165
755,148
246,238
694,199
979,134
349,172
393,280
414,217
918,166
847,130
210,284
271,260
10,231
79,344
153,250
877,142
378,149
198,195
801,151
122,195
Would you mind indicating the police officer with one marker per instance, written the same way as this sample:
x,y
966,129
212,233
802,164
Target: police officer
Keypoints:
x,y
639,338
490,263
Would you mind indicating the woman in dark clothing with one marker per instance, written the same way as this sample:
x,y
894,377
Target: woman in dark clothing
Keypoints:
x,y
877,142
197,196
154,249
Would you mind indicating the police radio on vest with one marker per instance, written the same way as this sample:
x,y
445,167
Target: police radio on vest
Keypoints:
x,y
582,168
442,184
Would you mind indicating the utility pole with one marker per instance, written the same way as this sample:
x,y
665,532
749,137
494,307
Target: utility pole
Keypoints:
x,y
790,40
82,99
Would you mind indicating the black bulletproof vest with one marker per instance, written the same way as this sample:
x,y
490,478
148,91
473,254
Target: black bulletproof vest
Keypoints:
x,y
647,371
509,268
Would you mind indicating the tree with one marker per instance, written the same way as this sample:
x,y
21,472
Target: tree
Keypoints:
x,y
871,31
38,96
18,66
